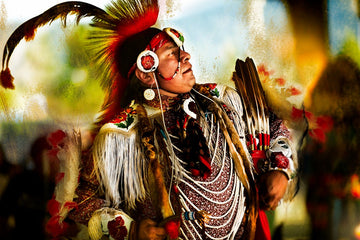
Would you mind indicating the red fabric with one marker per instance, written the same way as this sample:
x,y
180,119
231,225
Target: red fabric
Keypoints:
x,y
172,229
117,229
53,207
256,155
55,227
279,160
262,227
158,41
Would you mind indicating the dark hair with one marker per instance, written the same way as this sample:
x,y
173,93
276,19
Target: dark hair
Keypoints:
x,y
127,53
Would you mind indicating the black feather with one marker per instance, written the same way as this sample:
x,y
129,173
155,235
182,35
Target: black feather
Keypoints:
x,y
248,85
62,10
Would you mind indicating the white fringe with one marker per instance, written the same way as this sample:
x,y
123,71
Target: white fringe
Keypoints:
x,y
69,164
122,167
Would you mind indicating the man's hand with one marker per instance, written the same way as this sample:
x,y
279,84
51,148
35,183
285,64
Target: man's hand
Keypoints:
x,y
272,187
148,230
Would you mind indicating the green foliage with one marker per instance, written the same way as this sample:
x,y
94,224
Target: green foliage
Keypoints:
x,y
75,91
351,48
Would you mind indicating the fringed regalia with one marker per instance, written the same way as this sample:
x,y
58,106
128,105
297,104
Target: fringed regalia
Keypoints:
x,y
125,182
189,162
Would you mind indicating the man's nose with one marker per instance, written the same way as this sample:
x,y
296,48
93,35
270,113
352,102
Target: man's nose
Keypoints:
x,y
184,56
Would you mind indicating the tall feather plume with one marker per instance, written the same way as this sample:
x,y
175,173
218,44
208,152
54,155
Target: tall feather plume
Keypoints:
x,y
132,16
248,84
256,111
28,29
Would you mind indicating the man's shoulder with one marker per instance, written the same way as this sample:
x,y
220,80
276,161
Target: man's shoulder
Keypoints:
x,y
123,122
126,121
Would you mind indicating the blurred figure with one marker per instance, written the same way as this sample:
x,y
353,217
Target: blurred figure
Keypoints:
x,y
5,170
23,203
331,166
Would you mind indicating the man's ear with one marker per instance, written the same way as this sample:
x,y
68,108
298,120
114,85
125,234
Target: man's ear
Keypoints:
x,y
146,78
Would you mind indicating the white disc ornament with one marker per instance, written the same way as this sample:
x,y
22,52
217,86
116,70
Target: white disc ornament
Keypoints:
x,y
149,94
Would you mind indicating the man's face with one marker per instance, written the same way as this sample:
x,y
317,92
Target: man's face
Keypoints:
x,y
168,62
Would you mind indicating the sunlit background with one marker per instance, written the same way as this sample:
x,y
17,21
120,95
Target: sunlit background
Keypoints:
x,y
307,54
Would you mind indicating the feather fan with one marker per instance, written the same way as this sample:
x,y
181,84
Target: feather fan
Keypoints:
x,y
248,85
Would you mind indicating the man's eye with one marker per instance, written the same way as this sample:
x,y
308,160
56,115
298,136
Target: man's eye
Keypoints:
x,y
174,52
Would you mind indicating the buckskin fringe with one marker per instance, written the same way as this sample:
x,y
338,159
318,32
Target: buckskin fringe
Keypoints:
x,y
122,169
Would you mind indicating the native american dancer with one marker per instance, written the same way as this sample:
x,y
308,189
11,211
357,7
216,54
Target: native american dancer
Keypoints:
x,y
170,158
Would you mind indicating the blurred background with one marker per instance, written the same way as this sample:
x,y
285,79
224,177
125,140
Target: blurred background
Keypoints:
x,y
307,54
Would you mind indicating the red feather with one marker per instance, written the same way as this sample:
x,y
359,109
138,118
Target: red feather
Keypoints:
x,y
7,79
140,23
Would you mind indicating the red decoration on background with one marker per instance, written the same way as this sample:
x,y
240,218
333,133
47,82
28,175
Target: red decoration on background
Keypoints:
x,y
56,138
325,123
262,70
318,126
280,81
71,205
195,172
175,188
293,91
355,186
